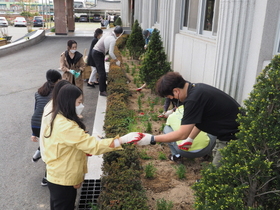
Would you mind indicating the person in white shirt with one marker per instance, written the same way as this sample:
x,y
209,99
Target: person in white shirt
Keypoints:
x,y
104,45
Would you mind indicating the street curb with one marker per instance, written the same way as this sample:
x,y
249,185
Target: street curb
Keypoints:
x,y
34,38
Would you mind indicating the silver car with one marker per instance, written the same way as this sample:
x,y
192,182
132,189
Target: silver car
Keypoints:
x,y
3,22
20,21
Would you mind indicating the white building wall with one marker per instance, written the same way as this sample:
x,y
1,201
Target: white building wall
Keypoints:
x,y
194,57
230,61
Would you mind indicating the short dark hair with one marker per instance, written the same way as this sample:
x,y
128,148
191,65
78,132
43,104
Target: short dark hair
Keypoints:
x,y
70,43
146,33
168,82
118,30
97,32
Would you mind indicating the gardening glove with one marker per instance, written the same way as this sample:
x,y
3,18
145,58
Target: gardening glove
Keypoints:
x,y
77,74
169,112
132,137
145,46
72,71
146,139
162,114
186,144
118,63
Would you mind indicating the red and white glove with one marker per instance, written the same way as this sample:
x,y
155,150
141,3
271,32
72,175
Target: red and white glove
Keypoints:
x,y
145,140
132,137
186,144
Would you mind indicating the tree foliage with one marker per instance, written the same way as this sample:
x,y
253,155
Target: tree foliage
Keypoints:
x,y
135,43
249,177
118,22
154,64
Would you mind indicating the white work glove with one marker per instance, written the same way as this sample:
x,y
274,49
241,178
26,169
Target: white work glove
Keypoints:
x,y
132,137
145,46
146,139
118,63
169,112
186,144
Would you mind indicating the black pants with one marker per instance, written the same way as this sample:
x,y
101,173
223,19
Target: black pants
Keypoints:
x,y
62,197
98,58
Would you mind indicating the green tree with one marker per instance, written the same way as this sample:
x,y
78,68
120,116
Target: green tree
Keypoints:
x,y
135,42
249,177
118,22
154,64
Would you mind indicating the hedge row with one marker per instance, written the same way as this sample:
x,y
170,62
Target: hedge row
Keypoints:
x,y
121,183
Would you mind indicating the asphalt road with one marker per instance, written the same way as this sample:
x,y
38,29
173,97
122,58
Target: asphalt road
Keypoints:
x,y
22,73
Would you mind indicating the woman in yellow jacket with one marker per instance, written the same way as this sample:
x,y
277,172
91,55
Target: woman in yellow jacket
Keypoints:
x,y
66,144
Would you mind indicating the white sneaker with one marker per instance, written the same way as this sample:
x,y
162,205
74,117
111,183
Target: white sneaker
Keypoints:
x,y
36,156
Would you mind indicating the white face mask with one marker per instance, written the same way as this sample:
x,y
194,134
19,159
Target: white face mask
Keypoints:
x,y
73,51
79,109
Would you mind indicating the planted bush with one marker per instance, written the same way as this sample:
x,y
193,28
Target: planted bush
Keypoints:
x,y
121,183
249,177
154,64
136,42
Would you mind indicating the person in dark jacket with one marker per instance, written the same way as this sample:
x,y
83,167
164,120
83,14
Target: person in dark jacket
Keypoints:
x,y
42,97
92,79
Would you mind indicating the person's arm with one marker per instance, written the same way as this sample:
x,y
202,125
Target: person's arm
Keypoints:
x,y
63,66
82,64
182,133
194,133
166,104
112,48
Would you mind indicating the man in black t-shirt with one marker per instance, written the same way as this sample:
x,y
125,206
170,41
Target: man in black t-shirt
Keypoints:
x,y
206,108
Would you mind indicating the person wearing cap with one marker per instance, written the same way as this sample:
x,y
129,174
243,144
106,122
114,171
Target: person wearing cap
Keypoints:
x,y
104,45
147,35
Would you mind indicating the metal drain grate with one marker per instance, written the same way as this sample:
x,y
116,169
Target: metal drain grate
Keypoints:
x,y
89,193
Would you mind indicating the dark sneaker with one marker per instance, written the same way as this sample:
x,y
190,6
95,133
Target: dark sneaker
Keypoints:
x,y
104,93
44,182
36,156
175,159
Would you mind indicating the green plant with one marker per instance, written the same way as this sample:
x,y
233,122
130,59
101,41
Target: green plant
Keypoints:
x,y
150,171
143,155
249,175
149,127
136,42
162,156
118,22
139,102
180,171
162,204
154,64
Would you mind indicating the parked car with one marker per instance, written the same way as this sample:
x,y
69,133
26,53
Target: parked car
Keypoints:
x,y
38,21
3,22
20,21
96,18
83,18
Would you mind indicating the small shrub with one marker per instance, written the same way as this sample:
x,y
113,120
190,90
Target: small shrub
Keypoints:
x,y
150,171
181,171
149,127
139,101
143,155
162,204
162,156
136,42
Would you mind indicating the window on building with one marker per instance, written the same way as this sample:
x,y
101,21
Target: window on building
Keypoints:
x,y
200,16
